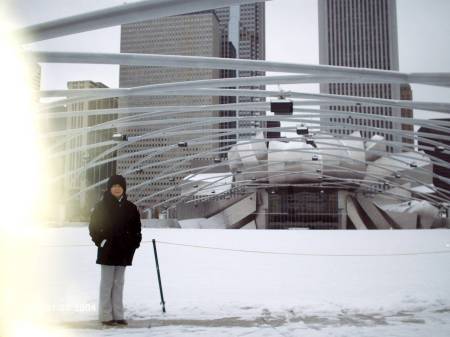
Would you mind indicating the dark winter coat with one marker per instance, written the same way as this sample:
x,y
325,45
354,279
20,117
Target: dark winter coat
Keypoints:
x,y
119,223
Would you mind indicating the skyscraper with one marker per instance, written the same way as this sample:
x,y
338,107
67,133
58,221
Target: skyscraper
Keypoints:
x,y
244,27
360,34
406,94
243,36
76,159
198,35
227,32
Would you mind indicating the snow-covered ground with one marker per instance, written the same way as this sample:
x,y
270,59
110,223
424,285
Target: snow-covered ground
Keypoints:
x,y
230,293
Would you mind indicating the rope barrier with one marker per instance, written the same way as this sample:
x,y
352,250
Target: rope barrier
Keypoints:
x,y
270,252
305,254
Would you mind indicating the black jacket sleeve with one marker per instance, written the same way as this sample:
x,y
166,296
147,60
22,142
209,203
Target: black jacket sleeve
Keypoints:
x,y
136,227
96,225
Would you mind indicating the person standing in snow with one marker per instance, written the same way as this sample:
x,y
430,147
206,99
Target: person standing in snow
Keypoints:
x,y
115,228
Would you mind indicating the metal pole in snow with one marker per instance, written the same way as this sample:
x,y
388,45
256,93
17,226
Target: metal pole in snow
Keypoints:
x,y
159,277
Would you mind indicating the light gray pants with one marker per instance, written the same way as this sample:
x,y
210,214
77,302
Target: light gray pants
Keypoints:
x,y
111,293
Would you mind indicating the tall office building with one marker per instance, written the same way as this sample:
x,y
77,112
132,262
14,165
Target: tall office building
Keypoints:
x,y
408,129
243,36
243,26
197,35
55,164
78,208
362,34
232,32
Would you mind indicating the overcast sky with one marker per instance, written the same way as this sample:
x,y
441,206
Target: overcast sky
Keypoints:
x,y
291,36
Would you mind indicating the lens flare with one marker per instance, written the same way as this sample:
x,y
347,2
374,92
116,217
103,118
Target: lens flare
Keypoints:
x,y
25,329
24,195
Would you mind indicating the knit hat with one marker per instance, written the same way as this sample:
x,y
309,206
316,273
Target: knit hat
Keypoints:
x,y
117,179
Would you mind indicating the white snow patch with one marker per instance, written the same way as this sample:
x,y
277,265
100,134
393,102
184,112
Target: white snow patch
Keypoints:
x,y
222,293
